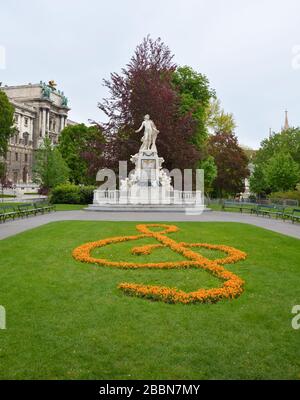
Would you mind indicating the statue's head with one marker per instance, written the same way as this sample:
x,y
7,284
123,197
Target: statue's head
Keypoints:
x,y
147,116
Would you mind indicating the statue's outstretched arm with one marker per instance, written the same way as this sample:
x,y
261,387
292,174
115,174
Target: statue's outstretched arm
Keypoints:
x,y
140,128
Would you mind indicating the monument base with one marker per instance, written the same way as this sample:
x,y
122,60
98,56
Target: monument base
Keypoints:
x,y
174,208
148,189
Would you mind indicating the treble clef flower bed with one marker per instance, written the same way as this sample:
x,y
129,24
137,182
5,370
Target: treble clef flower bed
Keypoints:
x,y
232,284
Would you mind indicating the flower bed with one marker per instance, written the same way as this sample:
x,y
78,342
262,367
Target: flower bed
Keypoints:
x,y
232,286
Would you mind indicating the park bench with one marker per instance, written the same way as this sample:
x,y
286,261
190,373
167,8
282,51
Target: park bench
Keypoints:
x,y
7,212
270,209
43,206
236,205
254,209
24,210
27,209
294,216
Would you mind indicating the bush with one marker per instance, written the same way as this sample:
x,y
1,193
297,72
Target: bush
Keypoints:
x,y
291,195
72,194
87,194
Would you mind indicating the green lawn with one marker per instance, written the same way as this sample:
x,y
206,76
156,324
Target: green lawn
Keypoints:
x,y
69,207
68,320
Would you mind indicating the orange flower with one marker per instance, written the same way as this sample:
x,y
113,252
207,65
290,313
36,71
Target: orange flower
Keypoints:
x,y
232,286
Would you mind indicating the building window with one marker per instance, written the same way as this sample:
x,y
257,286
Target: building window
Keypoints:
x,y
52,124
26,138
16,156
26,157
16,118
25,121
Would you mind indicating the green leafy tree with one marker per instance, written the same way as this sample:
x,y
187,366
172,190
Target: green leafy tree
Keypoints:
x,y
74,142
218,120
210,173
195,95
286,142
258,183
6,122
49,169
282,172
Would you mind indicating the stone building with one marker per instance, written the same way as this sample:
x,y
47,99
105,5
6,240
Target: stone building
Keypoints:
x,y
40,110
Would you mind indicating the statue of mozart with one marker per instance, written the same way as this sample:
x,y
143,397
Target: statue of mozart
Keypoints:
x,y
150,134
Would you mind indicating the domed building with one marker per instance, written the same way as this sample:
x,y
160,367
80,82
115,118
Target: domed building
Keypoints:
x,y
40,110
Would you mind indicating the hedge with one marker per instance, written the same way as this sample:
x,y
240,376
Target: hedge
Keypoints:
x,y
292,195
72,194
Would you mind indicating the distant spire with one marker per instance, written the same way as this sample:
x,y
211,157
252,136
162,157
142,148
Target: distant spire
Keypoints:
x,y
270,132
286,121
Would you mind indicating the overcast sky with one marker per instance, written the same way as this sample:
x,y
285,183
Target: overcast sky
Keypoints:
x,y
245,47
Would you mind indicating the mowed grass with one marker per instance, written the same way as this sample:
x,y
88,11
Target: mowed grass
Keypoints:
x,y
68,320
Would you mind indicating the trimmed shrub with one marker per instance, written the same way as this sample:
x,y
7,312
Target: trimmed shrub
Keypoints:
x,y
291,195
72,194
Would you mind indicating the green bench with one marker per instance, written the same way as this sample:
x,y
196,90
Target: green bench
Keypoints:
x,y
270,209
26,209
35,208
8,212
43,206
294,216
236,205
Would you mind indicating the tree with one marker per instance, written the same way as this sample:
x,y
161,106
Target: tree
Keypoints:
x,y
210,173
250,153
49,169
2,170
4,181
74,142
145,86
2,176
258,183
282,172
195,95
232,164
286,142
6,122
218,120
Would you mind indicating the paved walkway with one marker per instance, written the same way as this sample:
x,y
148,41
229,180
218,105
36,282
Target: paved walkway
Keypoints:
x,y
13,227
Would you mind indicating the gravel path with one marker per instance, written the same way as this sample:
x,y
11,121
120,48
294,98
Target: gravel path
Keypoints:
x,y
14,227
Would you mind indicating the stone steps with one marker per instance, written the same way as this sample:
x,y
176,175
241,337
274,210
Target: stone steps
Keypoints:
x,y
147,208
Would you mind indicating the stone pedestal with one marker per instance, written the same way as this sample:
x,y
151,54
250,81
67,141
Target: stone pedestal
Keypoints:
x,y
148,184
147,188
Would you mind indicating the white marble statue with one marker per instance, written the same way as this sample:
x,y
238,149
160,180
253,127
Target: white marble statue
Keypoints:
x,y
150,134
